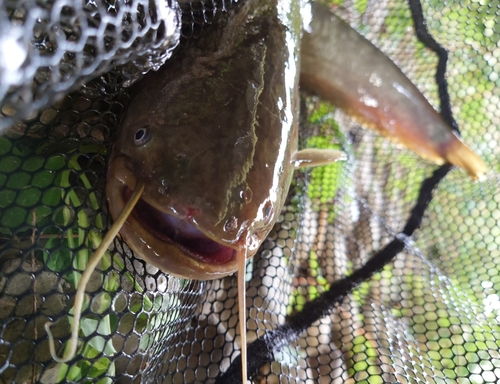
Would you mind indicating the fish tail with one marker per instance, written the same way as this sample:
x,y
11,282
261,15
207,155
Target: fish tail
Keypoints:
x,y
459,154
342,66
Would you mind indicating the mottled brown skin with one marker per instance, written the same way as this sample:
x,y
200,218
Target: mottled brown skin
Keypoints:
x,y
223,132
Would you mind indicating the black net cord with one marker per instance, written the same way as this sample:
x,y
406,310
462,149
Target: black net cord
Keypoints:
x,y
426,38
262,350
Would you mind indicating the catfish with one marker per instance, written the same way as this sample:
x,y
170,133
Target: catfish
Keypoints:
x,y
213,136
214,133
208,144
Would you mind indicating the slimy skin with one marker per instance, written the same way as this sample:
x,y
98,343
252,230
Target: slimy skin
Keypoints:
x,y
213,134
342,66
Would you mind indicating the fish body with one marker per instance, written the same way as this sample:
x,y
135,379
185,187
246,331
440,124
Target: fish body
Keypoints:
x,y
213,134
342,66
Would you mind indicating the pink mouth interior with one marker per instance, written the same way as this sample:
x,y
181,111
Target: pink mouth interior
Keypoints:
x,y
182,233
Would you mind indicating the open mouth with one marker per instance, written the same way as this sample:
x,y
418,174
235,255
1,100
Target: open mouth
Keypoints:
x,y
180,232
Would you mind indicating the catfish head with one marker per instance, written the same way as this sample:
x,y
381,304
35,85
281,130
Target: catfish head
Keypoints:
x,y
214,145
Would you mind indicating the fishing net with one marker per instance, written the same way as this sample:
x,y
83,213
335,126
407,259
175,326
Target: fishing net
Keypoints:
x,y
418,305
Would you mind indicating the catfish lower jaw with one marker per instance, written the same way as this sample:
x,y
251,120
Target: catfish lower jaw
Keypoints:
x,y
180,232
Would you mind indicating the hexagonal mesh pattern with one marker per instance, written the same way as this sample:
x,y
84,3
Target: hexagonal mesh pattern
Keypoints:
x,y
51,47
428,316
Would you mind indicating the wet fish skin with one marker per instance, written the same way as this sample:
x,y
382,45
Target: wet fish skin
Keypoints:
x,y
223,128
223,133
342,66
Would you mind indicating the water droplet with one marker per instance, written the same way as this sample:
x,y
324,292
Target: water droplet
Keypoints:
x,y
253,242
162,189
375,79
268,211
231,225
246,195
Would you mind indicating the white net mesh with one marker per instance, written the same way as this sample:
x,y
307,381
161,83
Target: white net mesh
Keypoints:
x,y
48,48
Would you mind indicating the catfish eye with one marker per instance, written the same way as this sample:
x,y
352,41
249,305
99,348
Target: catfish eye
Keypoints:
x,y
141,136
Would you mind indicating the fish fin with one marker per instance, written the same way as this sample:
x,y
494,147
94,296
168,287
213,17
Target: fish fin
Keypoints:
x,y
242,310
462,156
313,157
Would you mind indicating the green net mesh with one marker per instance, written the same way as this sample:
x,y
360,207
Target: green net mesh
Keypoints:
x,y
429,316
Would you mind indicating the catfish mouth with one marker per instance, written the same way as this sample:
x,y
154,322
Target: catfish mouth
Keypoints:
x,y
180,232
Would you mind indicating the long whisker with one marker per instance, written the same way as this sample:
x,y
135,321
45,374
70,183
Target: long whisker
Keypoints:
x,y
91,266
242,310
